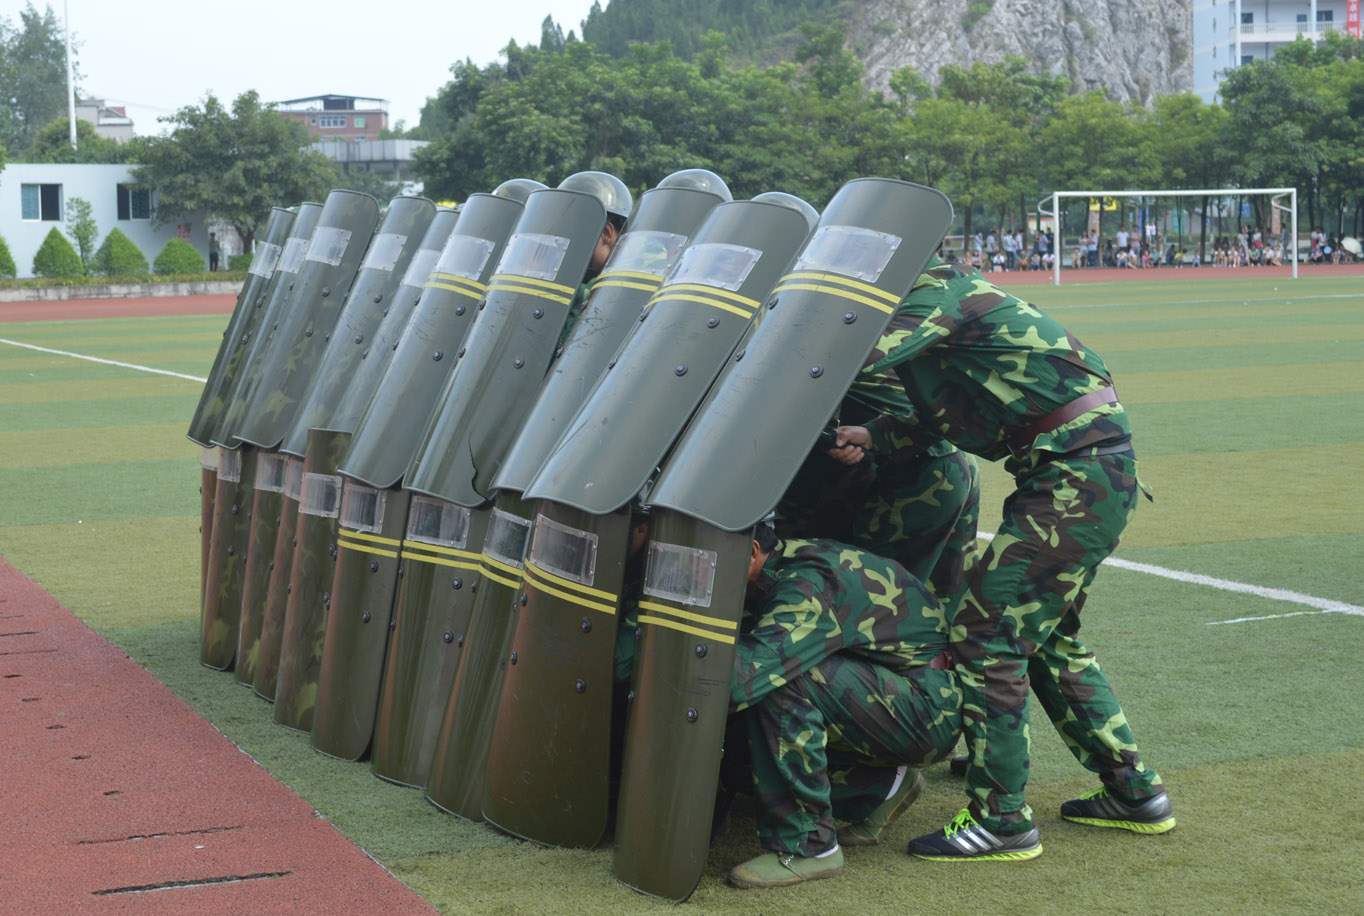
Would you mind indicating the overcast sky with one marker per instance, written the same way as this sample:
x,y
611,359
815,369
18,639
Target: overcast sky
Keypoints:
x,y
156,56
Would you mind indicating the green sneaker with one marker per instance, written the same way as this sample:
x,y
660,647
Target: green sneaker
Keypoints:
x,y
868,832
964,840
774,869
1098,808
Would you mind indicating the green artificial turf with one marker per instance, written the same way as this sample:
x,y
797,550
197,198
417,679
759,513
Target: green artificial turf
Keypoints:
x,y
1247,398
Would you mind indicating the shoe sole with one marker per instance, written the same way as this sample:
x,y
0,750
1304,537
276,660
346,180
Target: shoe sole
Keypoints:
x,y
755,884
864,839
1135,826
1016,855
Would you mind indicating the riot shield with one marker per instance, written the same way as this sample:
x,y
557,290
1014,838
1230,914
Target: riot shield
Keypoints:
x,y
222,605
658,233
310,579
873,241
687,332
503,360
457,767
549,756
675,720
244,321
255,342
267,517
286,374
363,335
367,562
275,603
387,433
208,487
442,569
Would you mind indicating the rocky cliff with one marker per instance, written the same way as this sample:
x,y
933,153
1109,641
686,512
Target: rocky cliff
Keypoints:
x,y
1130,50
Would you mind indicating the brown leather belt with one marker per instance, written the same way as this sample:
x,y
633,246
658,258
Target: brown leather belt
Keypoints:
x,y
942,660
1062,415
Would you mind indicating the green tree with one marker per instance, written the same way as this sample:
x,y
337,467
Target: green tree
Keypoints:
x,y
119,256
234,164
179,257
52,143
32,75
56,258
7,266
80,225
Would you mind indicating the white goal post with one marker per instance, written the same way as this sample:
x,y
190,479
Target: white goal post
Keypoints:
x,y
1274,200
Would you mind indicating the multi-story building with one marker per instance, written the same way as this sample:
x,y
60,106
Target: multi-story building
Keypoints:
x,y
110,121
338,117
1229,33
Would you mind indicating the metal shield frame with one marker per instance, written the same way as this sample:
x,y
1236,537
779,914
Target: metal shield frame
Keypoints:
x,y
222,607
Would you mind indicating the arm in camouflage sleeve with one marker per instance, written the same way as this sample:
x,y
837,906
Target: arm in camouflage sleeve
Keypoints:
x,y
796,629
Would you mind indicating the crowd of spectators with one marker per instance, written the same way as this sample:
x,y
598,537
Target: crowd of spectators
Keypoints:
x,y
1249,247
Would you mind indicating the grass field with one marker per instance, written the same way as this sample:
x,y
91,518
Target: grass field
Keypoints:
x,y
1247,397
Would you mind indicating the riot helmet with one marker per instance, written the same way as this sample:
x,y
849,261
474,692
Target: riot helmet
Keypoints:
x,y
608,189
699,180
783,199
518,189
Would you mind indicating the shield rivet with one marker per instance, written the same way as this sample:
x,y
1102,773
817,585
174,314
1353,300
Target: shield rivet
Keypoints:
x,y
849,317
630,697
680,370
364,618
712,322
639,632
289,589
816,371
692,715
459,643
448,637
234,510
364,354
461,353
393,624
327,600
580,685
243,338
524,599
558,352
513,658
395,345
373,565
539,313
378,297
459,310
331,551
740,355
230,551
277,520
456,582
772,304
481,304
438,355
272,564
359,338
700,650
586,625
518,362
294,541
326,291
612,364
308,332
643,315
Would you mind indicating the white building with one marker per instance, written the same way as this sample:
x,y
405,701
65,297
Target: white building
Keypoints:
x,y
110,121
1229,33
34,196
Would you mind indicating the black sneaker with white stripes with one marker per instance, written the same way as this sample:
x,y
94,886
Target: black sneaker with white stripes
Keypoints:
x,y
1101,808
966,840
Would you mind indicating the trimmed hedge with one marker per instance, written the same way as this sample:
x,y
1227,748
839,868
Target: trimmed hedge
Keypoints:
x,y
57,257
179,257
119,256
239,262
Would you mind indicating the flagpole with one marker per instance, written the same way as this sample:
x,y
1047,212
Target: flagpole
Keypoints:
x,y
70,84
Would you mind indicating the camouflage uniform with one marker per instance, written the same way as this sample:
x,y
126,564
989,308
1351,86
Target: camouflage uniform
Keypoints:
x,y
917,505
997,378
841,677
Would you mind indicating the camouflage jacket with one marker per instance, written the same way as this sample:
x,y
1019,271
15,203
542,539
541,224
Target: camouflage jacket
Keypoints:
x,y
818,598
980,366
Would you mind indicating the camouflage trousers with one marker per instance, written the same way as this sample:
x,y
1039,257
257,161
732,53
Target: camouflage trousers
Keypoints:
x,y
826,744
1017,626
921,512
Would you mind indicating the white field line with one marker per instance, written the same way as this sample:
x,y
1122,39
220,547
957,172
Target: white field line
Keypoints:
x,y
107,362
1317,605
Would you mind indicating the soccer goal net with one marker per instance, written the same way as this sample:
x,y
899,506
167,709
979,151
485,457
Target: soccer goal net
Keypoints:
x,y
1171,228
